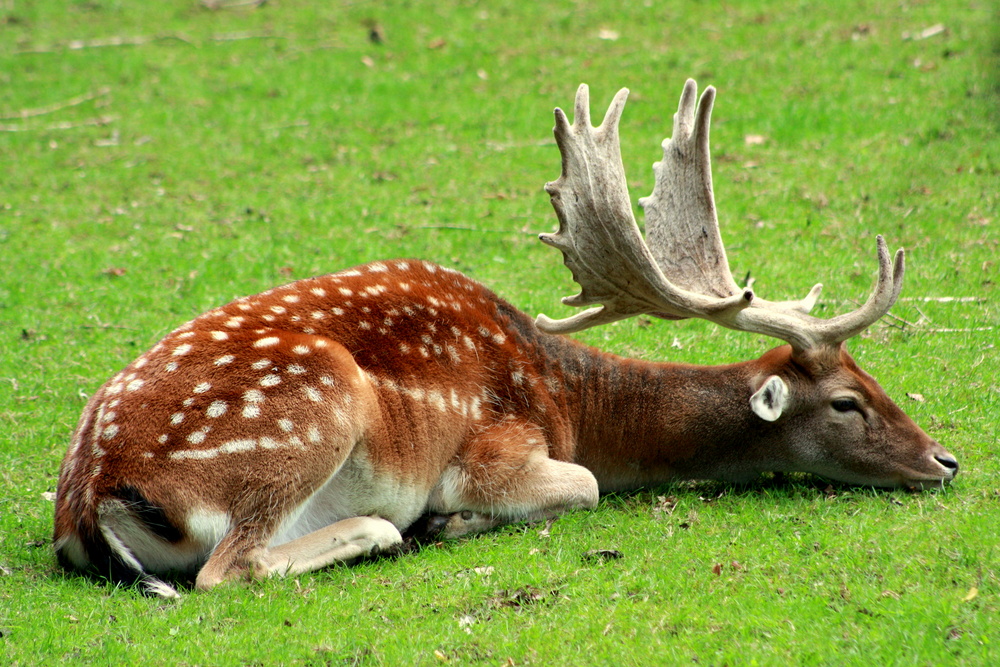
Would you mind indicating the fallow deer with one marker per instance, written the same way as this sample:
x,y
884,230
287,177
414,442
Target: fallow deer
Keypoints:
x,y
310,424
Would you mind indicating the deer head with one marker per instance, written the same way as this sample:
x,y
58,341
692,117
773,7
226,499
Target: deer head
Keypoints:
x,y
817,410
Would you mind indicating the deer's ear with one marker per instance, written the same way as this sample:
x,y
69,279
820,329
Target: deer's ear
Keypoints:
x,y
771,399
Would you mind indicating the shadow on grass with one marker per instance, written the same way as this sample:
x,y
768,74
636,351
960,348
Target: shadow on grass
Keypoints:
x,y
424,533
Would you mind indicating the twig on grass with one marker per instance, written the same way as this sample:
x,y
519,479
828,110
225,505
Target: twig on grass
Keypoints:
x,y
57,106
105,327
216,5
139,40
944,299
63,125
474,229
916,327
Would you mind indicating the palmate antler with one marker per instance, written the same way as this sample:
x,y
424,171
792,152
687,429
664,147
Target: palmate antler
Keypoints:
x,y
683,271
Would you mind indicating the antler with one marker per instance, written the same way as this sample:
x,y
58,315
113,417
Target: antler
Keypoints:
x,y
683,272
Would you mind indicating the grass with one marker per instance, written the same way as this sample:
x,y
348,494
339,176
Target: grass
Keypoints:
x,y
245,147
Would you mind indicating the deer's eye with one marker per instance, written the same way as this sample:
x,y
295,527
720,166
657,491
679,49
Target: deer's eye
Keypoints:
x,y
845,405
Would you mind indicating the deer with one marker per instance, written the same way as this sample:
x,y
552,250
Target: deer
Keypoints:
x,y
316,422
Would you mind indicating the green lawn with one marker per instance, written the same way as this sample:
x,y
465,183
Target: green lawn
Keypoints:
x,y
161,158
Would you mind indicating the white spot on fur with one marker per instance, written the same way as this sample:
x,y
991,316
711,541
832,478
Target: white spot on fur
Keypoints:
x,y
435,398
198,437
224,359
110,431
237,446
176,418
270,380
220,335
313,394
251,411
286,425
313,434
261,364
181,350
295,369
318,291
254,396
216,409
301,349
378,267
270,341
345,291
171,366
290,298
202,387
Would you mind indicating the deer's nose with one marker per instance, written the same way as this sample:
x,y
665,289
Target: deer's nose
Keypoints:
x,y
948,461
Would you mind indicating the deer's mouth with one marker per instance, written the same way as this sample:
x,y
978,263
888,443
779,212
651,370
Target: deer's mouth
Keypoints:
x,y
945,468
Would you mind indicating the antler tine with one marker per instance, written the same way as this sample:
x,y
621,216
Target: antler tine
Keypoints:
x,y
882,298
598,235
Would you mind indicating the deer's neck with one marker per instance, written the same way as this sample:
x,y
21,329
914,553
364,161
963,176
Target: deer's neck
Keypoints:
x,y
639,423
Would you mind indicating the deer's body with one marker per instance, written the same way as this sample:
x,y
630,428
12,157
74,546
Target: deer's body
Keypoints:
x,y
314,422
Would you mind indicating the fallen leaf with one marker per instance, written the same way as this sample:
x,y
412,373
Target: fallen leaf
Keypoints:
x,y
717,569
919,398
971,595
609,35
115,272
754,139
367,61
930,31
49,496
438,43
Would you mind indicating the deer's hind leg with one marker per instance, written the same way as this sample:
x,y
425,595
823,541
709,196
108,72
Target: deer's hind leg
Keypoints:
x,y
504,475
240,552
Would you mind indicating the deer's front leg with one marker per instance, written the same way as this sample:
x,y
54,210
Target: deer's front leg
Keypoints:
x,y
504,475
